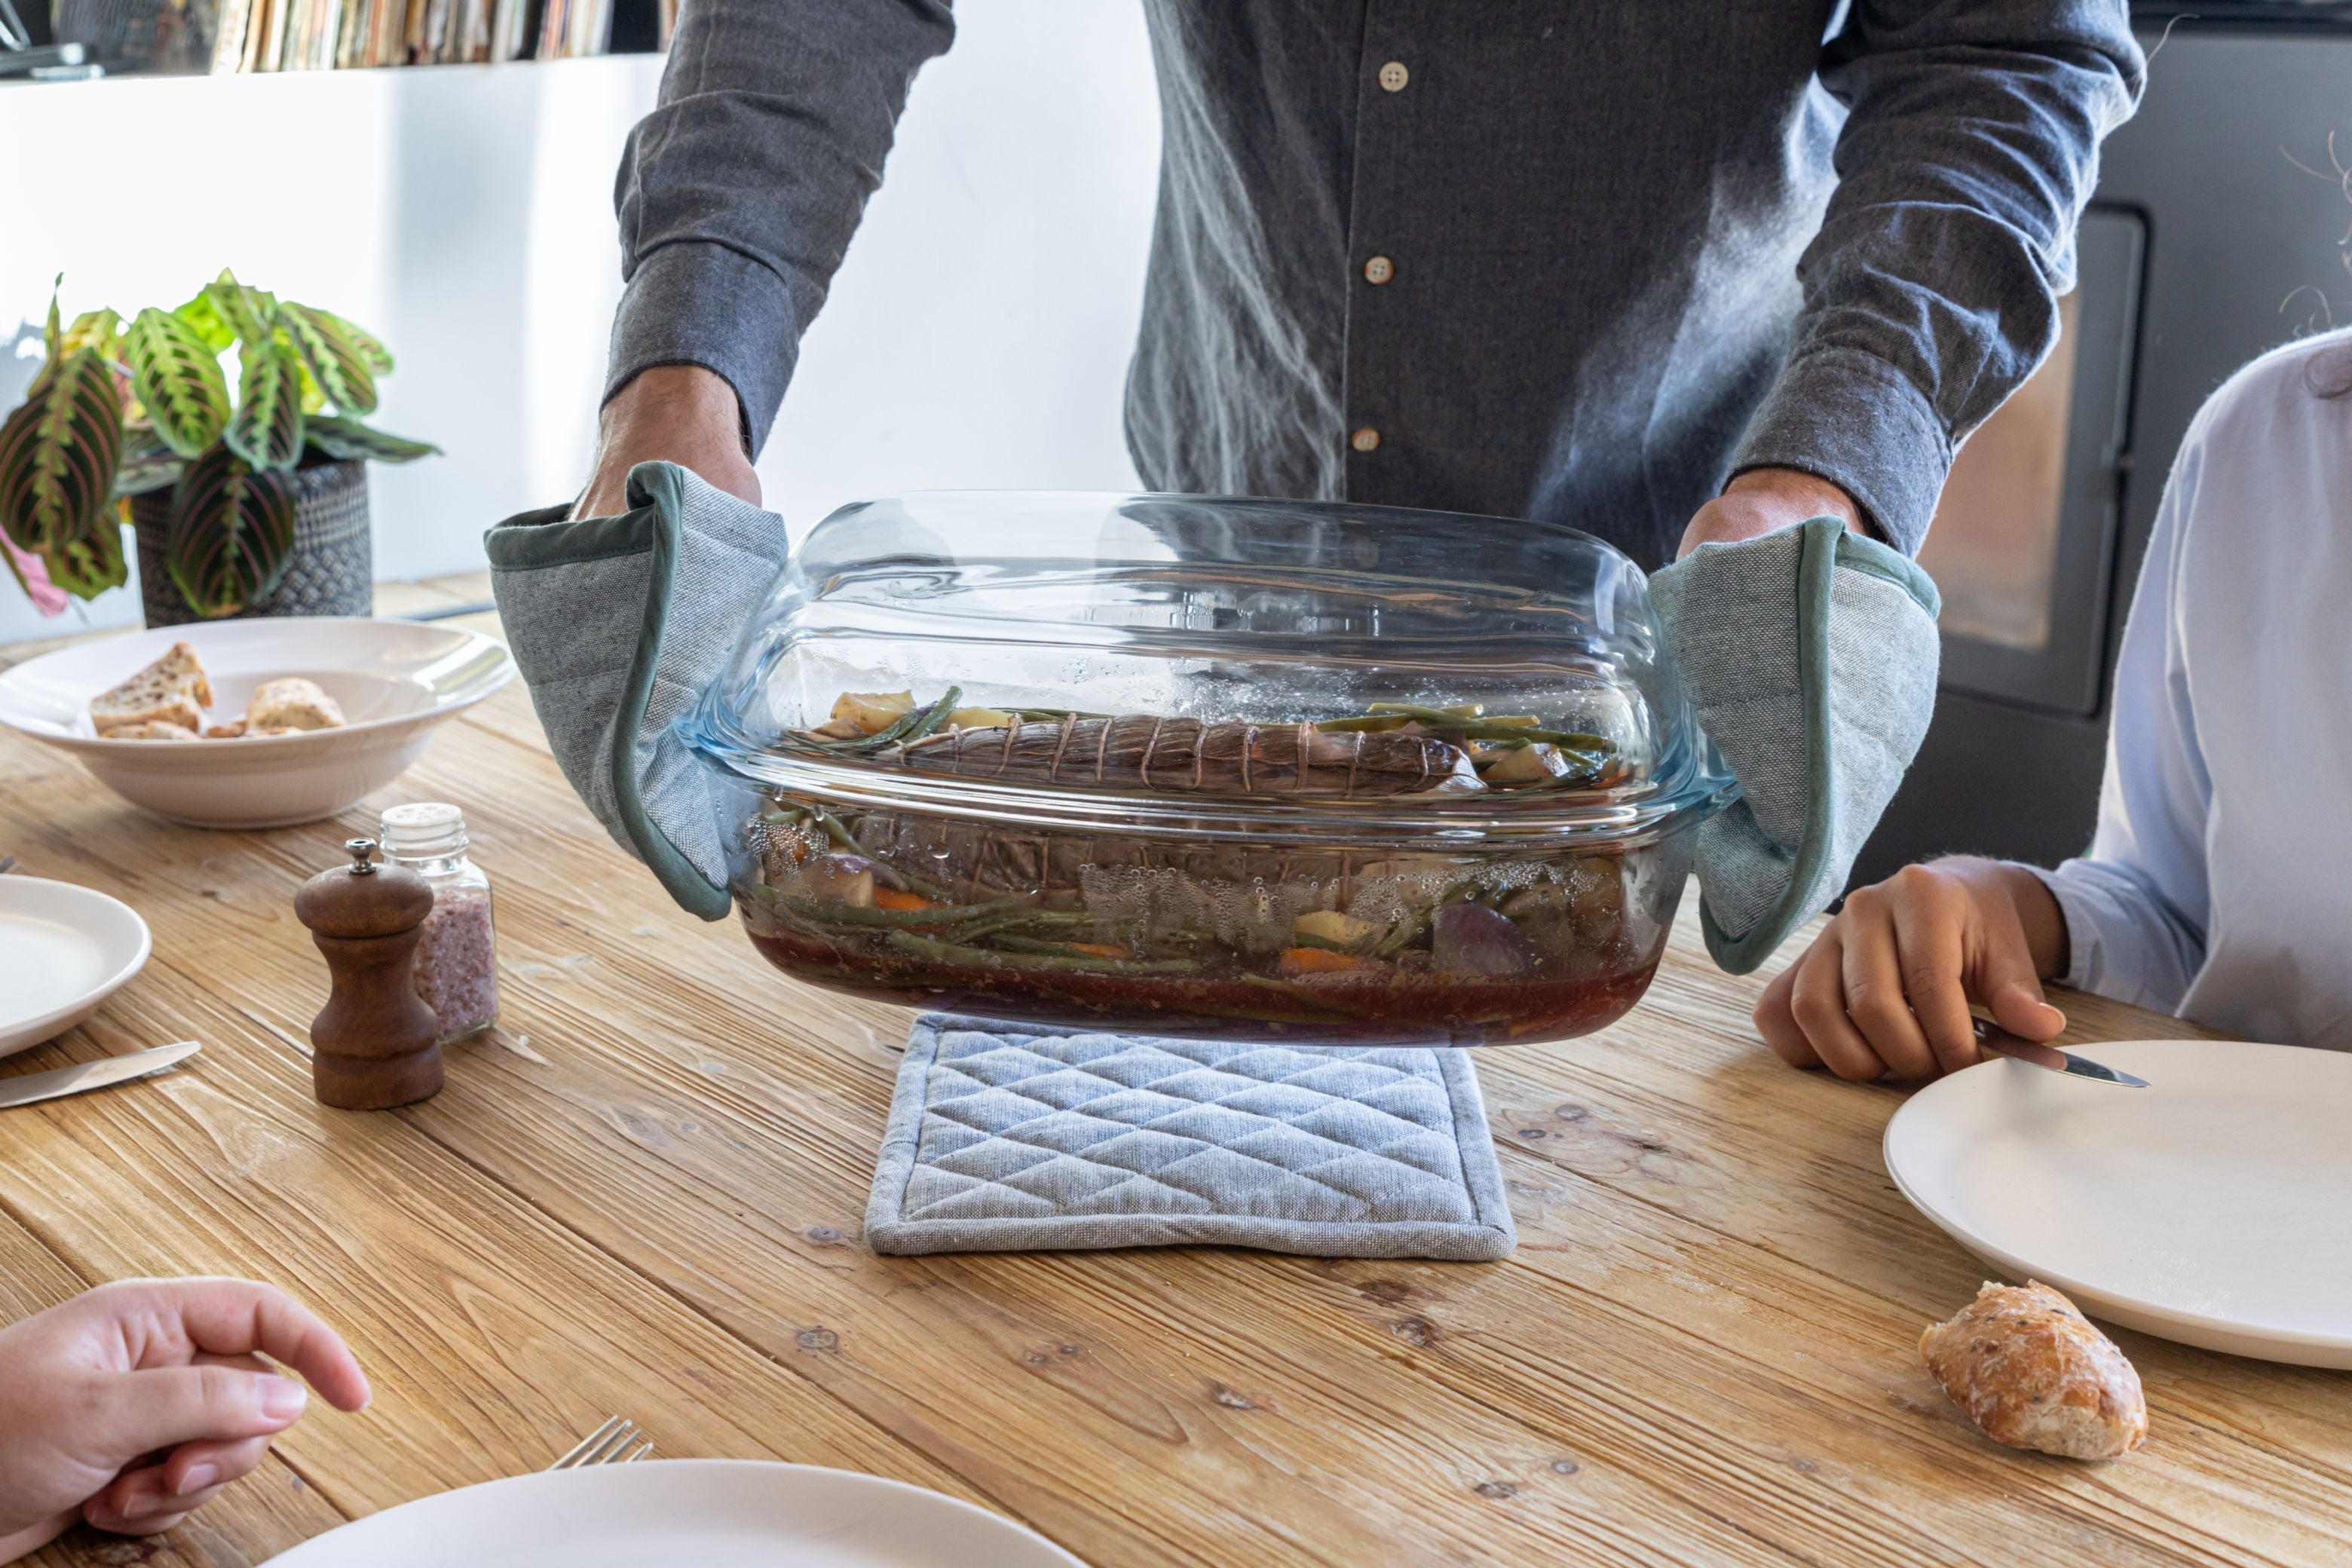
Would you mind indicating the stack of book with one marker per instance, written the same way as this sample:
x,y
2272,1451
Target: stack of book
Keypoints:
x,y
347,34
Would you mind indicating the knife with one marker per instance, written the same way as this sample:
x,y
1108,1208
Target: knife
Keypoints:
x,y
2000,1042
34,1087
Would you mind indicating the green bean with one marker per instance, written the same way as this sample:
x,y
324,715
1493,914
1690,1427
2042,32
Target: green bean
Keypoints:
x,y
1401,936
842,839
1012,943
1054,715
1457,715
950,953
933,716
1569,739
903,731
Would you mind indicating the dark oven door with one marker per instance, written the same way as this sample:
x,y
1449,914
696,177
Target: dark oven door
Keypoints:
x,y
2024,538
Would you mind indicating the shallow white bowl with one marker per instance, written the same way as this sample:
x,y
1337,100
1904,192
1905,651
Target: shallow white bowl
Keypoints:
x,y
395,680
63,951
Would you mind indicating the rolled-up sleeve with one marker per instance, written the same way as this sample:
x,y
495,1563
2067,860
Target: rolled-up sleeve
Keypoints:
x,y
739,194
1970,146
2139,905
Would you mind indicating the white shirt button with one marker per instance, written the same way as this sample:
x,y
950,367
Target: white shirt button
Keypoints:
x,y
1378,269
1393,76
1365,440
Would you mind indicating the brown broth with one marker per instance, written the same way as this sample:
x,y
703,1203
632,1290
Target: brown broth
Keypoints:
x,y
1395,1008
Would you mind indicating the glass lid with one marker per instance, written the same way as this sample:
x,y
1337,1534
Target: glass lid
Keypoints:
x,y
1199,661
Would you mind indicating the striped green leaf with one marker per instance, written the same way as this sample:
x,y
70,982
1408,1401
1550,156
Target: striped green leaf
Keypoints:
x,y
93,329
178,379
57,456
378,357
349,438
250,313
204,319
314,396
232,533
267,428
53,335
343,371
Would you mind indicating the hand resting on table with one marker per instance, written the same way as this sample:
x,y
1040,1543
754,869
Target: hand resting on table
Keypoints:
x,y
135,1403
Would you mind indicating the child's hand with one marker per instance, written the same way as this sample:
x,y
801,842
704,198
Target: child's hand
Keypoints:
x,y
135,1403
1884,991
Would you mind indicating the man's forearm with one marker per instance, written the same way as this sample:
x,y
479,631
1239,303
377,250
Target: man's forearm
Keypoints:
x,y
1763,500
739,194
1930,293
681,414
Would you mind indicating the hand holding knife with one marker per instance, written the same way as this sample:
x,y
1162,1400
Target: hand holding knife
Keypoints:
x,y
1999,1041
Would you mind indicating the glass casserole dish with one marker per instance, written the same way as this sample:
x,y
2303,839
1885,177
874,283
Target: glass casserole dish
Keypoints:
x,y
1328,774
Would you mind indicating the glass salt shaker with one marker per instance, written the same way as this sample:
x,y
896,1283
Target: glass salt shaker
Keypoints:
x,y
457,956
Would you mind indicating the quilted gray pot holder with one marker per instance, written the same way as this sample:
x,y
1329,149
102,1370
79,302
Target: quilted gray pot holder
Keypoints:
x,y
1007,1138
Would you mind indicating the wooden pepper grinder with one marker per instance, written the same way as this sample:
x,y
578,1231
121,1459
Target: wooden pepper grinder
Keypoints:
x,y
374,1039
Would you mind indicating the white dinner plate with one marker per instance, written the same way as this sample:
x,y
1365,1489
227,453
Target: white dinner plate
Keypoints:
x,y
63,951
395,680
2214,1207
743,1514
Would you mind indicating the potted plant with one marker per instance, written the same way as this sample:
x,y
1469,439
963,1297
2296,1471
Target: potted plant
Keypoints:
x,y
250,504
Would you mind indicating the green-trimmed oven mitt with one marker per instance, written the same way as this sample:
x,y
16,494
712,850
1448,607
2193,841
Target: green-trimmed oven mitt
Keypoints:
x,y
617,625
1809,655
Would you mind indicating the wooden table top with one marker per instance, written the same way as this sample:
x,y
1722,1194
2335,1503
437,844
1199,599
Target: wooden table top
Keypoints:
x,y
642,1194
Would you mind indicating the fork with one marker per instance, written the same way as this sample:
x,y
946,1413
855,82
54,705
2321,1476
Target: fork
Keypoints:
x,y
617,1442
7,864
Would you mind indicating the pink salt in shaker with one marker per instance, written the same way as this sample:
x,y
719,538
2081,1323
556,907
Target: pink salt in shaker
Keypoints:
x,y
456,954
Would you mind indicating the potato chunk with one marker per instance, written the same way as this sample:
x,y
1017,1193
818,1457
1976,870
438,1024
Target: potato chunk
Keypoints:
x,y
1332,926
873,711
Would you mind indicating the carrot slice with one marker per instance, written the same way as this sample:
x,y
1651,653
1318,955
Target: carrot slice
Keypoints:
x,y
1319,961
892,899
1098,949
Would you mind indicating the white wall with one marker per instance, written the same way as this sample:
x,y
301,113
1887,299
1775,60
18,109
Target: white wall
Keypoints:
x,y
978,333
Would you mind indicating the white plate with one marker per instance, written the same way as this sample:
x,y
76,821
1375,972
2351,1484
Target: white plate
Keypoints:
x,y
739,1512
2214,1207
394,680
63,951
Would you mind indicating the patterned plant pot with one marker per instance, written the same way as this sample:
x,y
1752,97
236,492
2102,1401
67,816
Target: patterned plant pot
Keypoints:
x,y
333,569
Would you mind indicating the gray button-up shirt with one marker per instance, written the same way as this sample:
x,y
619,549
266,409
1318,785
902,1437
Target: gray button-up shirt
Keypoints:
x,y
1573,260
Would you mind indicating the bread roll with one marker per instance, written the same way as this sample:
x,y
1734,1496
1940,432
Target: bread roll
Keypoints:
x,y
292,703
174,690
2031,1373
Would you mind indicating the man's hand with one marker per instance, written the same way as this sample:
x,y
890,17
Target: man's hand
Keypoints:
x,y
133,1405
1884,992
681,414
1763,500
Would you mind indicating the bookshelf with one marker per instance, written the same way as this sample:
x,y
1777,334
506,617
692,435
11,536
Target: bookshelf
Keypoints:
x,y
221,37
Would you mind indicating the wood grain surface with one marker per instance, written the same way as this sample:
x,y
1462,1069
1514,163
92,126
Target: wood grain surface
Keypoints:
x,y
641,1194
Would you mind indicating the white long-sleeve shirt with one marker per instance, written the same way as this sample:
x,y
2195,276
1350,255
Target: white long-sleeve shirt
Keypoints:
x,y
2219,886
